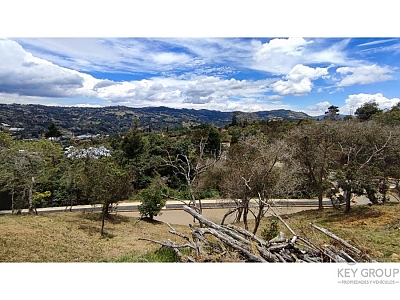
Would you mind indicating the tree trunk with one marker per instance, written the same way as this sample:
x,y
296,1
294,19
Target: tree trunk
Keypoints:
x,y
239,214
347,199
104,214
30,200
102,223
320,206
12,200
258,218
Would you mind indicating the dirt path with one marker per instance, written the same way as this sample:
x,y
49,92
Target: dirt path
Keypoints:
x,y
180,217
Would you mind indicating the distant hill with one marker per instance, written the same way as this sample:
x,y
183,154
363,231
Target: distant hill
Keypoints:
x,y
320,117
34,119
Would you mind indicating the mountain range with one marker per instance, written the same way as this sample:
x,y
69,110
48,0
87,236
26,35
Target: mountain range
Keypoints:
x,y
34,119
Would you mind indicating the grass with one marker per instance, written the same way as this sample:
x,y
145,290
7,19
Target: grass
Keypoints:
x,y
375,230
75,236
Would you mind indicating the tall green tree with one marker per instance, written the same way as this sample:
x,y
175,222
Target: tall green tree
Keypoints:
x,y
313,146
332,113
362,147
213,144
132,142
52,131
367,110
105,183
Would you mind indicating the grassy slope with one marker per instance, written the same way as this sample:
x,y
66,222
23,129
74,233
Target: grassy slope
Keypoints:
x,y
74,237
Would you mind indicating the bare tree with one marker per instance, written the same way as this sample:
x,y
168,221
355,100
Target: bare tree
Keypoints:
x,y
190,166
256,172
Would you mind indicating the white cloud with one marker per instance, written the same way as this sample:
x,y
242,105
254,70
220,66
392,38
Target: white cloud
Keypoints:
x,y
199,90
363,74
86,105
279,56
318,109
355,101
24,74
298,81
166,58
274,97
373,43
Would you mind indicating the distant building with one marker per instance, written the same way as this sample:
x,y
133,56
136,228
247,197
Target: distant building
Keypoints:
x,y
16,129
87,136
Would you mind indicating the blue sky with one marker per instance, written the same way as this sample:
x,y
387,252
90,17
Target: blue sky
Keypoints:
x,y
220,72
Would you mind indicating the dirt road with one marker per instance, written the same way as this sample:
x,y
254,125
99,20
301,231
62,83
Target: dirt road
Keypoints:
x,y
213,214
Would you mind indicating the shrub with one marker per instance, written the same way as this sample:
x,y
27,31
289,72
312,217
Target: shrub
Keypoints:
x,y
271,231
152,199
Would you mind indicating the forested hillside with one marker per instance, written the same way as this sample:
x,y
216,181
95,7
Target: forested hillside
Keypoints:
x,y
34,119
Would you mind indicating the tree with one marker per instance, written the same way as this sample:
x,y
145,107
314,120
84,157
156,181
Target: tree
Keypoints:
x,y
30,167
367,110
52,131
313,148
190,164
106,183
213,144
234,118
21,166
390,117
132,143
332,112
362,147
152,199
94,177
257,170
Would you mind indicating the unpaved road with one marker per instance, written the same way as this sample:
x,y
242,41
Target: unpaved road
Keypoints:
x,y
215,215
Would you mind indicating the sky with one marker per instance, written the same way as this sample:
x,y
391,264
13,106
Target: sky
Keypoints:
x,y
200,69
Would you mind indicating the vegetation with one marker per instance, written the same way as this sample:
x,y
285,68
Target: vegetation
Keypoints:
x,y
73,237
152,199
76,121
248,160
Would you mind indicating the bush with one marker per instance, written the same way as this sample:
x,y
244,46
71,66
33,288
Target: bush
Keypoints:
x,y
152,199
268,233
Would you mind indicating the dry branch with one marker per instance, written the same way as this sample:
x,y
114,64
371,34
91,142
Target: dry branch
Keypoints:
x,y
213,242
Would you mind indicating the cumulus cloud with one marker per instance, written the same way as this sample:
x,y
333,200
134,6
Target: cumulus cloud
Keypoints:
x,y
23,74
103,83
364,74
357,100
299,80
318,109
199,90
274,97
279,56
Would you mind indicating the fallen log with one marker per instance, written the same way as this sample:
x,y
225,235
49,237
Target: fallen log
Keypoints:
x,y
356,251
234,244
248,234
213,225
213,242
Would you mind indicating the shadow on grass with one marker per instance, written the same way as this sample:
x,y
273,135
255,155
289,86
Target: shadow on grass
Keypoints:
x,y
151,221
112,218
